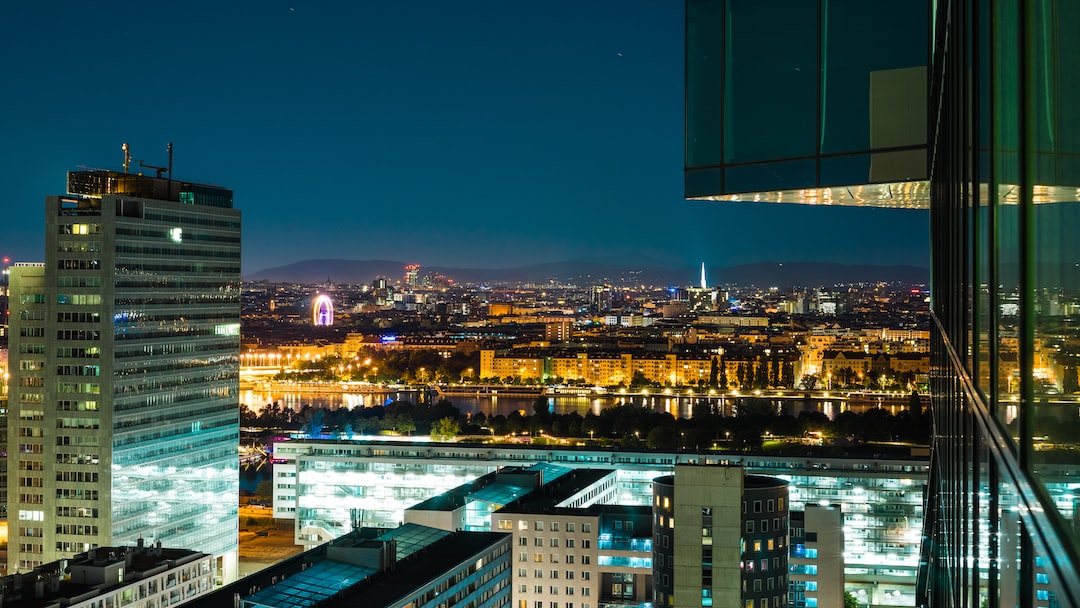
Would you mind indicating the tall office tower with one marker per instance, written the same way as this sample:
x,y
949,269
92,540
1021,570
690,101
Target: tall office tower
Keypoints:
x,y
968,111
125,372
412,275
730,547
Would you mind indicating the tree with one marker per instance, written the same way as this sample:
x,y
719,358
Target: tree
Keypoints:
x,y
445,429
314,422
662,437
761,375
701,410
714,373
541,408
787,375
850,601
1069,383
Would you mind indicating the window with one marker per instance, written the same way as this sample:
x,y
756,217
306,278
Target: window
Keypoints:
x,y
569,543
569,526
554,542
749,526
554,526
586,527
757,506
538,526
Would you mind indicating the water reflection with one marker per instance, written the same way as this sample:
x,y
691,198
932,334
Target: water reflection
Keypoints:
x,y
681,406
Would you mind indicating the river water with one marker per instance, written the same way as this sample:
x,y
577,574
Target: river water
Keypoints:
x,y
466,403
680,406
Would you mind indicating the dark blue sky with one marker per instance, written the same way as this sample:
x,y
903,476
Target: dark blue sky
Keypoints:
x,y
485,134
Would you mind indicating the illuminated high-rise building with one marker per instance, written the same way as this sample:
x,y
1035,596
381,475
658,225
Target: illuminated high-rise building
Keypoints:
x,y
412,275
966,108
125,372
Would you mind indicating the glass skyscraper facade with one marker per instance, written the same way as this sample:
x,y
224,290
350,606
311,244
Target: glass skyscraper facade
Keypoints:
x,y
125,383
1002,507
999,124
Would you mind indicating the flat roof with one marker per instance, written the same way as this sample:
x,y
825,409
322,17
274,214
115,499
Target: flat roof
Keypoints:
x,y
488,488
432,564
329,577
546,499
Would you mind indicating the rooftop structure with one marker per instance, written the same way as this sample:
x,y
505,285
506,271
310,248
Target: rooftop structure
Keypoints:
x,y
113,576
541,486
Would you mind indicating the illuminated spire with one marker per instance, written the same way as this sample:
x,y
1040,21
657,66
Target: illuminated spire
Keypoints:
x,y
703,285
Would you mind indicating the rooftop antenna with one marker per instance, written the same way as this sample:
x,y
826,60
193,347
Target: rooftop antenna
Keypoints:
x,y
127,156
160,170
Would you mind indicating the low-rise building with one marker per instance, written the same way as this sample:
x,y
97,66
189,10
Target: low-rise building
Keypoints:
x,y
409,566
139,577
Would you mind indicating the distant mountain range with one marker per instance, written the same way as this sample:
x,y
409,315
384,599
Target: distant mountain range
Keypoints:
x,y
586,272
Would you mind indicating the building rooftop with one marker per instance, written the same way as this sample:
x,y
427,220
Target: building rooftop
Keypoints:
x,y
90,574
501,487
422,553
100,182
547,499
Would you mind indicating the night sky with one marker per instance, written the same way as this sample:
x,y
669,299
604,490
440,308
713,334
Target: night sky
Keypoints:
x,y
466,133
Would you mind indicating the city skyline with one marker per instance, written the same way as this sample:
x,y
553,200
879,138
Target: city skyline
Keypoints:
x,y
490,136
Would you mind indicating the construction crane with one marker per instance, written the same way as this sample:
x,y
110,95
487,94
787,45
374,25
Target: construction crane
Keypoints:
x,y
160,170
